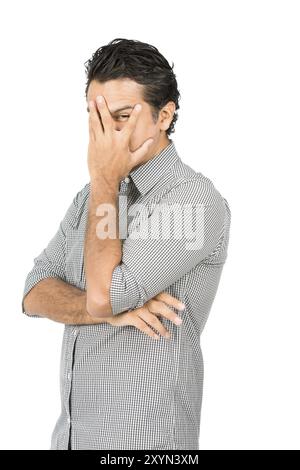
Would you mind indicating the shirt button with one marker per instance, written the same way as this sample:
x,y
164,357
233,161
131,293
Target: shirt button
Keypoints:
x,y
75,331
69,420
127,180
69,376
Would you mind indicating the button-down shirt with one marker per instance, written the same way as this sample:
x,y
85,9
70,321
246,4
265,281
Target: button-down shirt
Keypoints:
x,y
120,388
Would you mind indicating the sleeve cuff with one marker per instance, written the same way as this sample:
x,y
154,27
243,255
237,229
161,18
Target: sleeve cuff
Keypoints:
x,y
125,293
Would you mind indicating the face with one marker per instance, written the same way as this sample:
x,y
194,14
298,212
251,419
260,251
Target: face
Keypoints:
x,y
125,93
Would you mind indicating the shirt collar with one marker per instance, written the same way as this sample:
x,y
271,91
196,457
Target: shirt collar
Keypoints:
x,y
147,175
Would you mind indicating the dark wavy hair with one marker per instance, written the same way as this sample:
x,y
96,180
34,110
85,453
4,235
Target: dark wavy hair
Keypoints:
x,y
141,62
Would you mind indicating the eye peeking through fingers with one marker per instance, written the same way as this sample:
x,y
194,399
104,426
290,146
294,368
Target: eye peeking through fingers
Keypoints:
x,y
122,116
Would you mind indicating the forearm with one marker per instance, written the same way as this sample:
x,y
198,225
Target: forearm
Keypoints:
x,y
101,255
59,301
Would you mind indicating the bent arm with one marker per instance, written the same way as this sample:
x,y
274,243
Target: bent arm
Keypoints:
x,y
46,291
151,264
101,255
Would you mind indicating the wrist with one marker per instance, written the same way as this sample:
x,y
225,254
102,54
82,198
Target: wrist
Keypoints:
x,y
109,184
87,319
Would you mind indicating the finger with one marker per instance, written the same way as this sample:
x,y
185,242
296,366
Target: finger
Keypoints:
x,y
94,119
131,123
138,155
104,113
142,326
91,131
170,300
153,321
161,308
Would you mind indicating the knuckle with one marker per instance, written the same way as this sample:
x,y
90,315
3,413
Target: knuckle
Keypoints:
x,y
93,115
149,318
164,295
142,309
170,312
164,310
141,325
135,321
158,324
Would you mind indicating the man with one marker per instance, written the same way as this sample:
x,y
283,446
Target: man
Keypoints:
x,y
128,379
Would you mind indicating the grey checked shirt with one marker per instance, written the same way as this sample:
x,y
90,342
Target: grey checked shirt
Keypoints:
x,y
121,389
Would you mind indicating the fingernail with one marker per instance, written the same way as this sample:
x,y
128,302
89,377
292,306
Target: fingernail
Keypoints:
x,y
178,321
156,336
167,335
100,99
181,306
138,107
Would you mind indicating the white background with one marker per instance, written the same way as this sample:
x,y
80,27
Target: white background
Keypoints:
x,y
237,66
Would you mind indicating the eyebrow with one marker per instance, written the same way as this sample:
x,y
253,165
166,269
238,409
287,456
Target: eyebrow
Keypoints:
x,y
118,109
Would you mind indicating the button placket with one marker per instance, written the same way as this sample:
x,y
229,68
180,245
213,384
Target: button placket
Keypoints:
x,y
69,366
123,200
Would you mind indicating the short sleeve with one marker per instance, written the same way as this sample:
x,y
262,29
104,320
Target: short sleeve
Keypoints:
x,y
51,261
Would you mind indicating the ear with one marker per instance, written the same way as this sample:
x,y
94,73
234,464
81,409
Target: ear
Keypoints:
x,y
166,115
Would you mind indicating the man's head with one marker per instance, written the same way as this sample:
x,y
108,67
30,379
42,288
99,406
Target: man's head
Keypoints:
x,y
127,72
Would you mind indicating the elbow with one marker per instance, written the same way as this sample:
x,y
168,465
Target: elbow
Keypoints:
x,y
27,308
98,306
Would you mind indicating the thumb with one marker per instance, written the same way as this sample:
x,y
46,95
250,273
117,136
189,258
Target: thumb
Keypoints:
x,y
139,154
